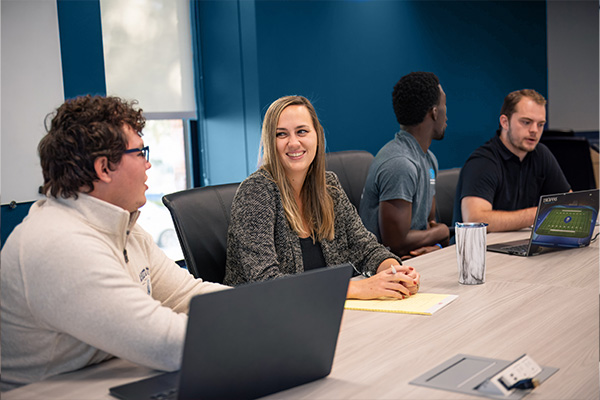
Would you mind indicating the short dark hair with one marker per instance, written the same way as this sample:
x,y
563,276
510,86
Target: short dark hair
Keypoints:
x,y
513,98
81,130
414,95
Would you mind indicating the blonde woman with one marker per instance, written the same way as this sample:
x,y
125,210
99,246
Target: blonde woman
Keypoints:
x,y
291,215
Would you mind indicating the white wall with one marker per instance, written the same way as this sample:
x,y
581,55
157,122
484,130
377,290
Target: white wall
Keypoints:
x,y
31,81
573,65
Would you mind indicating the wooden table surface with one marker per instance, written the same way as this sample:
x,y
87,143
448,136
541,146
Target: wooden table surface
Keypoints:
x,y
546,306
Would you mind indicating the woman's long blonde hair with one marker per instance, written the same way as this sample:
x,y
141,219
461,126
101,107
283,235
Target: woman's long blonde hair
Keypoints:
x,y
318,204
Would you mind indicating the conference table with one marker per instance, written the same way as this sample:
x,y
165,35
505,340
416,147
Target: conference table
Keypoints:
x,y
545,306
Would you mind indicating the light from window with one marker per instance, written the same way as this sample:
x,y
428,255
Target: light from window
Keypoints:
x,y
167,175
148,54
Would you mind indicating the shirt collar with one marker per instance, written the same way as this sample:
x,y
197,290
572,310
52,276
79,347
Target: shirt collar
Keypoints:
x,y
505,152
101,214
404,135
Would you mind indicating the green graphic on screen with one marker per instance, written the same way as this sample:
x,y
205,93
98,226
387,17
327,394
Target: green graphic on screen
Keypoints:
x,y
566,222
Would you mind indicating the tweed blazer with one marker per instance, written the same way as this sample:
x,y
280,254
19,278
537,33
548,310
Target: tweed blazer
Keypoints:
x,y
261,245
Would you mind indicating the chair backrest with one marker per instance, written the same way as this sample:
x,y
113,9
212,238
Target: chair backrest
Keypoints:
x,y
445,190
12,215
201,217
573,156
352,168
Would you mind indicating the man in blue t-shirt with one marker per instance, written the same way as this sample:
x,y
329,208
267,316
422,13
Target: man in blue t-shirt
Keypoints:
x,y
398,203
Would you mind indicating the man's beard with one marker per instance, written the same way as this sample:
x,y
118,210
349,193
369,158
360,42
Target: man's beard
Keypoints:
x,y
440,137
516,144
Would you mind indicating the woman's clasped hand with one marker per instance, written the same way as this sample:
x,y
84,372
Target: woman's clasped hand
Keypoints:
x,y
396,281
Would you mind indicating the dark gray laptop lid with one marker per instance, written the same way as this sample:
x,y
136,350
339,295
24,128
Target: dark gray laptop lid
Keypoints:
x,y
263,337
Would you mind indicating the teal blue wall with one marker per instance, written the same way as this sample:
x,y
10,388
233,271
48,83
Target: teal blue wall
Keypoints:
x,y
227,88
346,57
81,50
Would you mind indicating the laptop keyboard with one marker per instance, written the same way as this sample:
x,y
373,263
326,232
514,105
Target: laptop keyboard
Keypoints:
x,y
521,249
170,394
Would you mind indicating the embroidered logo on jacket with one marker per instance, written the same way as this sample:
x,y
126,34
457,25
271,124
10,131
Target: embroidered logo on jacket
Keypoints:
x,y
145,280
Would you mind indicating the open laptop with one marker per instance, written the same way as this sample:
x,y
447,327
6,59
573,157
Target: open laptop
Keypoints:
x,y
562,221
255,340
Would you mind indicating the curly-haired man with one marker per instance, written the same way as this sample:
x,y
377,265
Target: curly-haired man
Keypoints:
x,y
81,282
398,200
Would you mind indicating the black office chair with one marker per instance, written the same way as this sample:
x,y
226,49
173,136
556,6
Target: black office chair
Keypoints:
x,y
445,190
573,156
352,168
201,217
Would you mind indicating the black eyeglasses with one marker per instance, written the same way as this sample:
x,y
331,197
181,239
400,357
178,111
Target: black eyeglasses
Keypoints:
x,y
144,150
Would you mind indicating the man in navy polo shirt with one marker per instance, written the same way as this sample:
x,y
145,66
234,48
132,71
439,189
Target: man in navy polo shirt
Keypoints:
x,y
502,181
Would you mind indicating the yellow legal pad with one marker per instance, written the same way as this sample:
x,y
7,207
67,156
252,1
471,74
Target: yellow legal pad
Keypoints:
x,y
420,303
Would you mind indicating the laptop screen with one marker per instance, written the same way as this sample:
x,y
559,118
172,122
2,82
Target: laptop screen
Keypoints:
x,y
566,220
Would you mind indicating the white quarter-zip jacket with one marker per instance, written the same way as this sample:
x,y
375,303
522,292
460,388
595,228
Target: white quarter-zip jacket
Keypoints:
x,y
81,282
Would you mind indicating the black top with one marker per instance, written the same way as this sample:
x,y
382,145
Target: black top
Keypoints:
x,y
312,254
495,174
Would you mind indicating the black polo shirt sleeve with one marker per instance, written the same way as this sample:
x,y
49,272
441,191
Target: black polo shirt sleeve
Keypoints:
x,y
480,178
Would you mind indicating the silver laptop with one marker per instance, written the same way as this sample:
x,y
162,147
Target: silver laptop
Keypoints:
x,y
255,340
562,221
